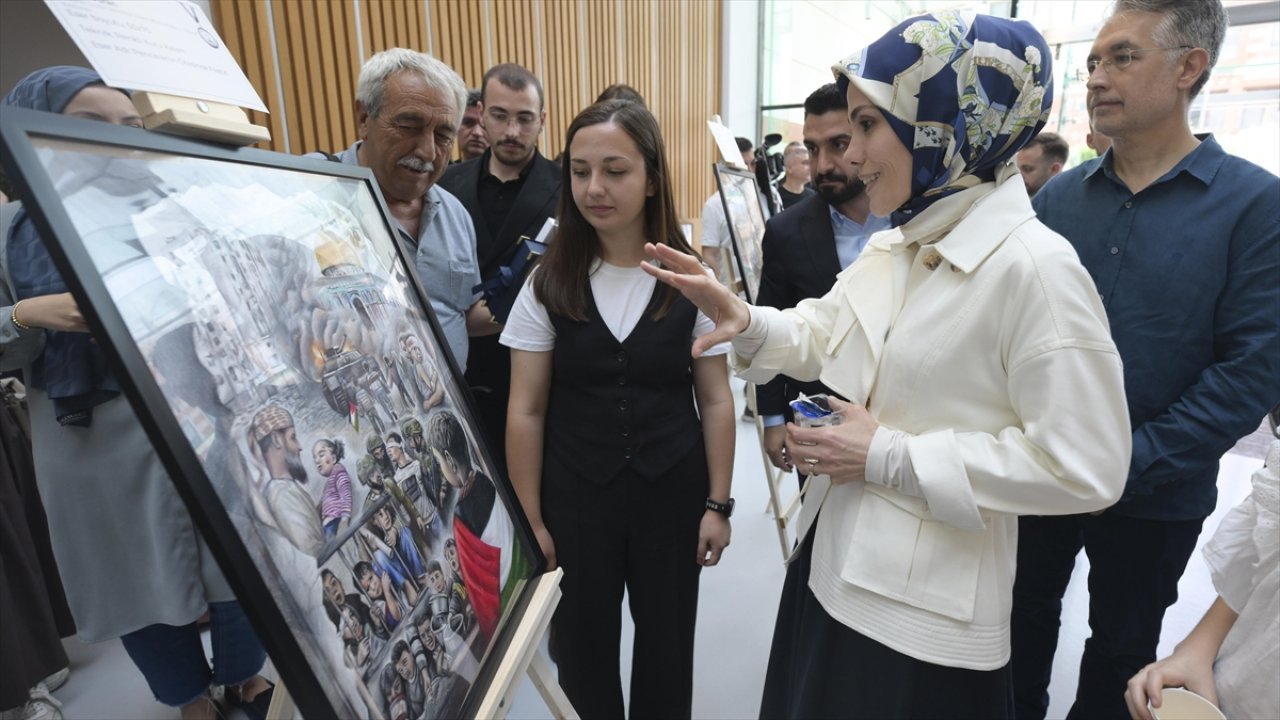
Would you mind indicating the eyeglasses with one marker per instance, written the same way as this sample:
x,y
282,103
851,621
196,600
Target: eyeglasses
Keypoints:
x,y
522,120
1119,60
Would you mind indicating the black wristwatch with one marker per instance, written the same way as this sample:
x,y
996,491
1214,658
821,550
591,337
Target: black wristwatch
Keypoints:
x,y
725,509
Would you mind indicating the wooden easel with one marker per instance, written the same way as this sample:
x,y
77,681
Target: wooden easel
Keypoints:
x,y
200,119
775,478
523,656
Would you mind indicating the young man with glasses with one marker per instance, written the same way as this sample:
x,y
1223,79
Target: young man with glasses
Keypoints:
x,y
1183,243
510,191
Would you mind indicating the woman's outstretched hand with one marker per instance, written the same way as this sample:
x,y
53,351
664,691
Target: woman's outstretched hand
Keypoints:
x,y
684,273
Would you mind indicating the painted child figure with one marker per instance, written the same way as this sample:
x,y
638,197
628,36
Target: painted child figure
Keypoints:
x,y
426,647
448,613
455,579
617,437
394,552
386,606
335,501
481,526
449,621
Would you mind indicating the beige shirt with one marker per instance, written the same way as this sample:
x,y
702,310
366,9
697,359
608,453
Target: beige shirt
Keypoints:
x,y
977,340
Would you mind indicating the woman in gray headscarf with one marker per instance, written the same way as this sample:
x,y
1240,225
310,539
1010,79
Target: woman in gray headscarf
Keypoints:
x,y
133,564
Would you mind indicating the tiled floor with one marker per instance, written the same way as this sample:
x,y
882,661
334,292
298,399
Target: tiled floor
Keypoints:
x,y
735,624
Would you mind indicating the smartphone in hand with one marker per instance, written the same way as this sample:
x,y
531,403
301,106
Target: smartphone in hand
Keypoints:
x,y
815,411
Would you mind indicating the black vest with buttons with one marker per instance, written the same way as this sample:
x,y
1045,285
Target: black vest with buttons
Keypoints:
x,y
624,404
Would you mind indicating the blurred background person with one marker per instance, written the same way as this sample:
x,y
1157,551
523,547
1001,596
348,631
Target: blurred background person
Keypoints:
x,y
1042,159
472,140
1097,141
795,183
621,91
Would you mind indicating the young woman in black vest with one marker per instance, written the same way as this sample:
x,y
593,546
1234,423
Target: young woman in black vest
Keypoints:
x,y
619,443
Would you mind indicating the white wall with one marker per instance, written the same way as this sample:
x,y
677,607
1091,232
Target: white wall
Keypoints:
x,y
740,67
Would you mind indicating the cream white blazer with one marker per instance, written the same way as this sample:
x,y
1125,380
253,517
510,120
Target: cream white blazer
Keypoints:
x,y
974,330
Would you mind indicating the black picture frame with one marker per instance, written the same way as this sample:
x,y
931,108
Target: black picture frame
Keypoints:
x,y
740,198
298,644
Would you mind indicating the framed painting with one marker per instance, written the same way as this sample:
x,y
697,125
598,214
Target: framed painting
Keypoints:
x,y
745,217
273,338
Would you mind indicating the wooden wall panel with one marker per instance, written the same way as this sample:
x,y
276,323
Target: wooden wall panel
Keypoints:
x,y
669,50
389,23
244,28
603,28
514,34
458,37
563,79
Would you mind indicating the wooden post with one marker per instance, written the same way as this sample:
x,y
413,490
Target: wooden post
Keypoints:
x,y
774,477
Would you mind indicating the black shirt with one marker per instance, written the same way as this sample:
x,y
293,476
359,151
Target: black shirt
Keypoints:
x,y
497,197
789,198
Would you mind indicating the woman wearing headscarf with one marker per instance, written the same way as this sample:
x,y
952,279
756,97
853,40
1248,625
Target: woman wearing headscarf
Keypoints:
x,y
983,380
133,565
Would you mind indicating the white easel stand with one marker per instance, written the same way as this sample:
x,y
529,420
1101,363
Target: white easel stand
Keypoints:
x,y
775,478
521,657
200,119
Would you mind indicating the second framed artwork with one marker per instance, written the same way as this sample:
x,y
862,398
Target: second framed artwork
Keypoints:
x,y
745,217
270,332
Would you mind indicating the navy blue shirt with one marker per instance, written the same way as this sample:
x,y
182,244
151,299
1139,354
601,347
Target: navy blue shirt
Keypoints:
x,y
1189,272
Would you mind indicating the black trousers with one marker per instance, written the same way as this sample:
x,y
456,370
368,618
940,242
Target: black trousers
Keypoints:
x,y
1134,567
33,608
820,668
640,536
489,377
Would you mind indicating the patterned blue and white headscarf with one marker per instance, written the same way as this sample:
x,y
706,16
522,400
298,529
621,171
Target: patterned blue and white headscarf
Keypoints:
x,y
964,92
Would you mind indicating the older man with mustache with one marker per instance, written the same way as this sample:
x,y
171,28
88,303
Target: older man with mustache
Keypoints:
x,y
408,109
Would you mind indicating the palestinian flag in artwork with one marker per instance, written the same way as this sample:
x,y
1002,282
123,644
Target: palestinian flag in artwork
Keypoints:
x,y
481,528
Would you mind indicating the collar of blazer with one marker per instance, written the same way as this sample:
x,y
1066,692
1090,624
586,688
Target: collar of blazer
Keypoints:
x,y
536,202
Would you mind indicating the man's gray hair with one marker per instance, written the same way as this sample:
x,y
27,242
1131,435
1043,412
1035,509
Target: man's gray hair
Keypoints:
x,y
378,69
794,148
1195,23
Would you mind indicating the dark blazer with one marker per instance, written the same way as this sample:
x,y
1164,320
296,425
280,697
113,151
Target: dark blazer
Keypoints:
x,y
800,262
537,202
489,362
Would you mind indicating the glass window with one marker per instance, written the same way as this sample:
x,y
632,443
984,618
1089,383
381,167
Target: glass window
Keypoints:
x,y
804,38
1240,105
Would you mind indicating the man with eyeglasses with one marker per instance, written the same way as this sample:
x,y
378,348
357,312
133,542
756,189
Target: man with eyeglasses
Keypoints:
x,y
510,191
1183,243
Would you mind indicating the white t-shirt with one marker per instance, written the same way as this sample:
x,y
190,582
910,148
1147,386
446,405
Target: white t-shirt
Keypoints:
x,y
621,293
715,229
